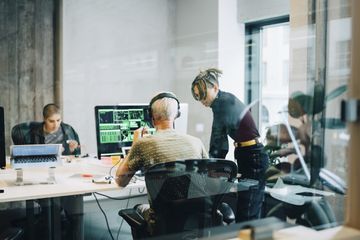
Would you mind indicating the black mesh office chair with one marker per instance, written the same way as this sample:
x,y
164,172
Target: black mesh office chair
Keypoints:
x,y
12,234
186,196
21,133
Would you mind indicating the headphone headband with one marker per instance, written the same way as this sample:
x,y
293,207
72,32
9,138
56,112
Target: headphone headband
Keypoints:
x,y
165,95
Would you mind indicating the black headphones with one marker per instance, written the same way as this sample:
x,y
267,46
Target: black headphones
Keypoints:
x,y
165,95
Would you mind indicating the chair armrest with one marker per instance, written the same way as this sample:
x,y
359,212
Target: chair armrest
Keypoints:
x,y
227,212
133,218
12,234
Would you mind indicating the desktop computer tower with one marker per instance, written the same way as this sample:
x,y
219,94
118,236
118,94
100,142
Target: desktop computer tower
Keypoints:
x,y
2,139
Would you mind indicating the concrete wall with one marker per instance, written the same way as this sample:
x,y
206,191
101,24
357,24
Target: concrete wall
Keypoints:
x,y
26,60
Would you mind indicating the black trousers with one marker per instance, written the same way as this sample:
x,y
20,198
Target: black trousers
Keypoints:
x,y
252,163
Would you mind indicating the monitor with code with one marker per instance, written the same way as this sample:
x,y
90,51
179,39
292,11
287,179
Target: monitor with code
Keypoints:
x,y
115,126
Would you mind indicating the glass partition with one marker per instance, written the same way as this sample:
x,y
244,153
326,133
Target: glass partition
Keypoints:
x,y
288,63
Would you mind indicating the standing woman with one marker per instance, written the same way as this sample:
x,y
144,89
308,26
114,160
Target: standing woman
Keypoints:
x,y
54,131
232,118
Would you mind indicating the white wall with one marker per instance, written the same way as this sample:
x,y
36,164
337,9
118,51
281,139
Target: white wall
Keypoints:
x,y
114,52
255,10
122,51
196,40
233,14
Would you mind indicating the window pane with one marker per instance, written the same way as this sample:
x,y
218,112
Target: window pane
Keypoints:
x,y
274,74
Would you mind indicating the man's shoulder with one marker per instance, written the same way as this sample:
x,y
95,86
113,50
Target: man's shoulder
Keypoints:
x,y
229,100
144,141
157,137
228,96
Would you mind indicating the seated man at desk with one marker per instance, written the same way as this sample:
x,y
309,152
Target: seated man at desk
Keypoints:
x,y
165,145
51,131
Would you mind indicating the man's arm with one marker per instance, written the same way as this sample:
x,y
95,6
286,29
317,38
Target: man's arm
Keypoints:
x,y
123,173
219,145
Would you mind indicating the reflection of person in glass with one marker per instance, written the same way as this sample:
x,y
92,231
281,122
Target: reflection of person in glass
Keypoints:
x,y
231,118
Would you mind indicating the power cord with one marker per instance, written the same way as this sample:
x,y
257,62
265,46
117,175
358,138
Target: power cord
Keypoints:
x,y
116,198
122,220
141,190
122,198
106,219
117,163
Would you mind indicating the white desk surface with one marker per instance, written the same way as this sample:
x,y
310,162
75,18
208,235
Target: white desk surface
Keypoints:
x,y
301,233
69,181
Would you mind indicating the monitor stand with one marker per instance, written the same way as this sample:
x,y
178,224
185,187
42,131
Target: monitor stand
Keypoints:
x,y
20,177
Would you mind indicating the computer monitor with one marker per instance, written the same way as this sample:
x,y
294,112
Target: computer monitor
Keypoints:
x,y
115,126
2,139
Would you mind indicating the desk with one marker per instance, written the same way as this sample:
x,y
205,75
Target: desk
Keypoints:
x,y
69,182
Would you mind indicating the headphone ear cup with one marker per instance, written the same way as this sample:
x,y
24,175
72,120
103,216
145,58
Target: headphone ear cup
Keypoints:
x,y
178,114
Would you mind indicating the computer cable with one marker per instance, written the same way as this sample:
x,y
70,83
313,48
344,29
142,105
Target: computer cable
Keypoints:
x,y
122,198
106,219
122,220
141,191
117,198
110,174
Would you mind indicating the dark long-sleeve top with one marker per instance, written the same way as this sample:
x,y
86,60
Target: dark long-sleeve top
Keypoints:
x,y
33,133
227,111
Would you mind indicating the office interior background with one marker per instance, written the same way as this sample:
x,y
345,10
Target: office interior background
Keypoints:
x,y
83,53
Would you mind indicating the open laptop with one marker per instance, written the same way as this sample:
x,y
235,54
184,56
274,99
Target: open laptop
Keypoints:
x,y
35,155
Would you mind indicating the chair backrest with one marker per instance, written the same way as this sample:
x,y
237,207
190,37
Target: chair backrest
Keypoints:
x,y
185,194
21,133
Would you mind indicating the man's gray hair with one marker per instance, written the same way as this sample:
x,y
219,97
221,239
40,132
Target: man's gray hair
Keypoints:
x,y
164,109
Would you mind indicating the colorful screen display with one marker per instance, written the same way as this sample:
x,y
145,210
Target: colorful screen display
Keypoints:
x,y
115,126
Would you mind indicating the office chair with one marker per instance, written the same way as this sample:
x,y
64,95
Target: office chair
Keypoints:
x,y
12,234
186,196
21,133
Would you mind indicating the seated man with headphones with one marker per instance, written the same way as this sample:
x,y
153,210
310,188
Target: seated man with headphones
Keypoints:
x,y
163,146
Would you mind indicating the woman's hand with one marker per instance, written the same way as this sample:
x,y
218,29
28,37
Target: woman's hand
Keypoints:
x,y
73,145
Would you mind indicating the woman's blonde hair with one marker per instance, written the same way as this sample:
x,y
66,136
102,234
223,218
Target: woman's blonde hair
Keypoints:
x,y
51,109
